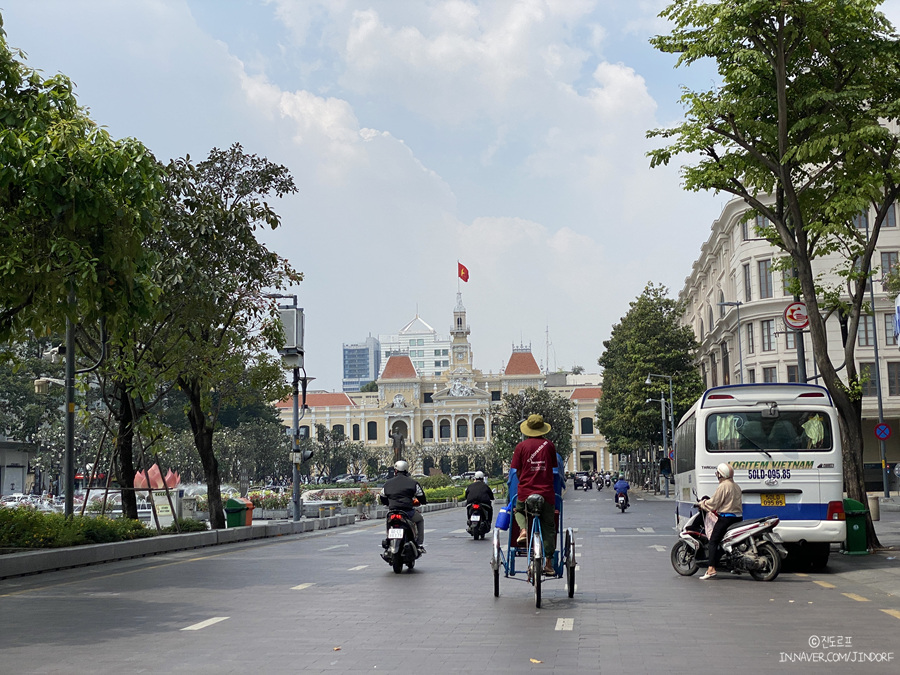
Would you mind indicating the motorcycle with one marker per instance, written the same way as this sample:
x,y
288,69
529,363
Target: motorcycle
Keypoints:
x,y
608,481
478,520
400,544
621,501
748,546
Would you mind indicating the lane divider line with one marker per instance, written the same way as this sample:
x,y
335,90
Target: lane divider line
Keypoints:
x,y
854,596
301,587
208,622
331,548
358,567
825,584
565,624
893,612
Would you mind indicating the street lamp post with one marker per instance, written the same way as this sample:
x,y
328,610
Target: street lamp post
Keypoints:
x,y
662,412
737,304
671,403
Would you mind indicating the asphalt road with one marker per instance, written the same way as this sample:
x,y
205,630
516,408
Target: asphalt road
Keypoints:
x,y
326,602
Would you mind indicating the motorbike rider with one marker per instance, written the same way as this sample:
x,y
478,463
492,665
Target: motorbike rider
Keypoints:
x,y
402,493
478,492
726,504
621,487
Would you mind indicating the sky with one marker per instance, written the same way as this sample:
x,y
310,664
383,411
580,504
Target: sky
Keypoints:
x,y
506,135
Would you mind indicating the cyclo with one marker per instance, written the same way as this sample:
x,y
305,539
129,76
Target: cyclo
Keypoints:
x,y
530,557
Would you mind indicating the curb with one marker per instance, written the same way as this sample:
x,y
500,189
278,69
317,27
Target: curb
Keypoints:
x,y
35,562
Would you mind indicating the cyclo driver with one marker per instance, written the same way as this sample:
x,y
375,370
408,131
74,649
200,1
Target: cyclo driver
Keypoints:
x,y
402,493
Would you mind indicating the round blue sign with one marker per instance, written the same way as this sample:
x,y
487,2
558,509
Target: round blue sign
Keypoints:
x,y
882,431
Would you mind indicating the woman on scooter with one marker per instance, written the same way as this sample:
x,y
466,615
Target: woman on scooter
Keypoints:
x,y
726,504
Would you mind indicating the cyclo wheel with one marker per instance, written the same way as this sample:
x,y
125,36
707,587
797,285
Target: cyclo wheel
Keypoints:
x,y
495,564
537,565
570,563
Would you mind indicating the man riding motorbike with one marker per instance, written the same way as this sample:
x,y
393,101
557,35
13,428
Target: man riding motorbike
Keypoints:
x,y
402,493
622,487
479,493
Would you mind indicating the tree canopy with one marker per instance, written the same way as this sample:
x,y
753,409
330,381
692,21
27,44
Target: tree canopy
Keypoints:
x,y
515,408
648,339
803,128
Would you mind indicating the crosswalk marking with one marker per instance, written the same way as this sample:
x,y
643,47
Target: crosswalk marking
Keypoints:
x,y
358,567
565,624
645,530
460,531
208,622
301,587
607,529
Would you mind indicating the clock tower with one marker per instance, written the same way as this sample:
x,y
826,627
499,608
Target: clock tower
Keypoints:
x,y
461,350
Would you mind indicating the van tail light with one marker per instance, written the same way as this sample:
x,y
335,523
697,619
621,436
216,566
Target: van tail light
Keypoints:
x,y
836,511
720,397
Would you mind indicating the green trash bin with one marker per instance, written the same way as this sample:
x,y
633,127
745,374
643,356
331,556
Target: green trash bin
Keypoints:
x,y
235,513
856,528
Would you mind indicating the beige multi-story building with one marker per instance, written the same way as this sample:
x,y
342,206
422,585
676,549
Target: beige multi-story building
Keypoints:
x,y
440,412
735,303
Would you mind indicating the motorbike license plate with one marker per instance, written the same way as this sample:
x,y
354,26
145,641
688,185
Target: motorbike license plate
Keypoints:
x,y
395,533
772,500
475,519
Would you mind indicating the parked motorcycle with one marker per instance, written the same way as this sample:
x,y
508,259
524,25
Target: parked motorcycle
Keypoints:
x,y
621,501
400,544
748,546
478,520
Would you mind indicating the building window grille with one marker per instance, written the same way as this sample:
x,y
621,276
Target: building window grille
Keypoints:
x,y
768,334
866,337
765,278
770,374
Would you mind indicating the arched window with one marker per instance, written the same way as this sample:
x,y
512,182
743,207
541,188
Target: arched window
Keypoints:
x,y
712,321
371,431
587,425
479,428
338,429
462,428
355,432
701,329
445,430
721,305
428,432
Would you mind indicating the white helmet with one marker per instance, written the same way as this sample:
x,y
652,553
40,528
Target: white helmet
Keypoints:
x,y
401,466
479,475
724,470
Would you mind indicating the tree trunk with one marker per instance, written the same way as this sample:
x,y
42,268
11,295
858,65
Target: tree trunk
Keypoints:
x,y
203,437
124,453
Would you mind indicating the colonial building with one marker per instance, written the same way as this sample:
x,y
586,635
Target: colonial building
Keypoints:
x,y
735,304
453,406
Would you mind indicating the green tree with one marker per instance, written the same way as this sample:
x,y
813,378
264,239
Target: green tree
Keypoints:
x,y
75,208
799,129
647,340
369,387
515,409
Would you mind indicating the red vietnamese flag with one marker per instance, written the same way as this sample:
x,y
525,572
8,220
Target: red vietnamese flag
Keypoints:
x,y
463,272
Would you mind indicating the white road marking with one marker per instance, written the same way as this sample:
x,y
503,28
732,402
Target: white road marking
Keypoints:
x,y
462,531
657,547
565,624
331,548
358,567
578,545
208,622
646,530
427,531
301,587
593,500
607,529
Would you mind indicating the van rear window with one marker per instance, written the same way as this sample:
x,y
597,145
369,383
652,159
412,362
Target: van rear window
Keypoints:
x,y
792,430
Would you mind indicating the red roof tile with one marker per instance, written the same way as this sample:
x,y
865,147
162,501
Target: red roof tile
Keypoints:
x,y
522,363
586,393
398,367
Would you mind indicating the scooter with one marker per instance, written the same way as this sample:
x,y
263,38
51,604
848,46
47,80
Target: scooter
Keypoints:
x,y
748,546
621,501
400,544
478,520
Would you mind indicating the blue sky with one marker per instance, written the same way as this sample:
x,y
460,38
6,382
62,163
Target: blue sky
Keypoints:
x,y
507,135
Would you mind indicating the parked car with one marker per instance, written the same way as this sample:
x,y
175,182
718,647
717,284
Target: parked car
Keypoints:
x,y
351,478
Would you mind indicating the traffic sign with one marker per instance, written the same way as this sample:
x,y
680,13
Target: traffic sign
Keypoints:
x,y
795,316
882,431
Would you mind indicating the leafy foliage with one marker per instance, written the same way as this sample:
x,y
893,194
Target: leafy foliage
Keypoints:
x,y
648,339
515,408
